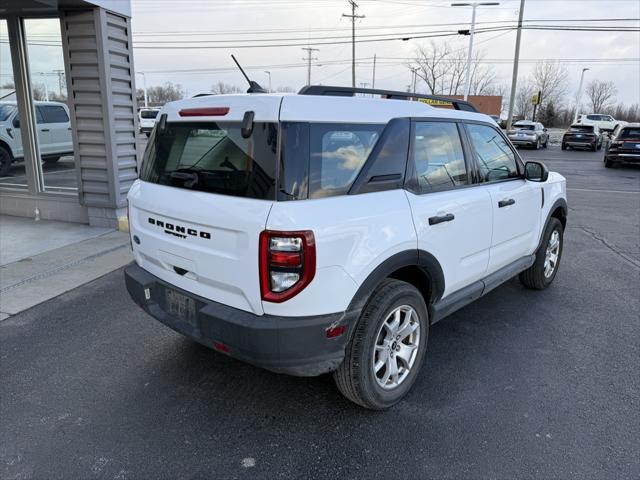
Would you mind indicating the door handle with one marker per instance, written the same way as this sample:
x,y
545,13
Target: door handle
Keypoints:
x,y
506,203
44,129
440,219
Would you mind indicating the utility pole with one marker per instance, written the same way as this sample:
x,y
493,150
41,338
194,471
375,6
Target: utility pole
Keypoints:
x,y
269,73
310,57
514,80
373,80
472,30
414,76
144,88
60,80
353,18
579,97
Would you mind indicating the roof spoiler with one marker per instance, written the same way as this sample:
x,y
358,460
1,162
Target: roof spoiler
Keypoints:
x,y
390,94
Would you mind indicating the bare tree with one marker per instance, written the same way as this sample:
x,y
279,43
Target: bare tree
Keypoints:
x,y
221,88
523,105
550,78
432,66
443,70
161,94
601,94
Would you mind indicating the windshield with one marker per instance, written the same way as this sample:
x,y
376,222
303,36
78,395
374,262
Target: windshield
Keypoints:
x,y
627,133
524,127
148,113
599,118
581,129
214,157
5,111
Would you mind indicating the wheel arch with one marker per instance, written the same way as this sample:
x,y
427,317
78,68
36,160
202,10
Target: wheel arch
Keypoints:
x,y
6,146
417,267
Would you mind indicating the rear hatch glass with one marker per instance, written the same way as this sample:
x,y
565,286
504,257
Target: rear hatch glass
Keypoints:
x,y
629,134
148,114
524,127
215,158
583,129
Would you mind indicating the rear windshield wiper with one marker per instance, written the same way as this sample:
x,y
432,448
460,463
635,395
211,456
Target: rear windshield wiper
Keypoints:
x,y
189,178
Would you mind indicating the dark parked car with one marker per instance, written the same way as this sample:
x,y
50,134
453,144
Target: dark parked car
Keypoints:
x,y
624,146
532,134
582,136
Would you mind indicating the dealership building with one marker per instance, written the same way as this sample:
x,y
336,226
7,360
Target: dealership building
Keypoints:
x,y
67,110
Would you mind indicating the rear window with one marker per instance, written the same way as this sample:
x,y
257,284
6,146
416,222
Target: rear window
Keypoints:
x,y
214,157
629,133
148,113
524,127
581,129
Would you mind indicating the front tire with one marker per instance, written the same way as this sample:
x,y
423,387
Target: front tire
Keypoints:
x,y
387,350
545,267
51,160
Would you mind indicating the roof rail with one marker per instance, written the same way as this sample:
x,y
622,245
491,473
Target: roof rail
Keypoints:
x,y
391,94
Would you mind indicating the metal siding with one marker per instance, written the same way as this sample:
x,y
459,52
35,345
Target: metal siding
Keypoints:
x,y
101,87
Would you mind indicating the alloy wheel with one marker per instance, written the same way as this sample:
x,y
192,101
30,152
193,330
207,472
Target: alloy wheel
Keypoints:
x,y
396,348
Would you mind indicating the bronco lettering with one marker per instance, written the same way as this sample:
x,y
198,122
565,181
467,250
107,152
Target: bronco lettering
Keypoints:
x,y
179,230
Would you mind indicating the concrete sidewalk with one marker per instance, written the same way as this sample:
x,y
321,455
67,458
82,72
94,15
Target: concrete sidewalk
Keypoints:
x,y
85,256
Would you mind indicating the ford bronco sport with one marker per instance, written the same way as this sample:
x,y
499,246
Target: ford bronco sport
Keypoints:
x,y
325,232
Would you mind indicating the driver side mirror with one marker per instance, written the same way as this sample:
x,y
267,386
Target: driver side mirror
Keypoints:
x,y
544,129
16,123
536,172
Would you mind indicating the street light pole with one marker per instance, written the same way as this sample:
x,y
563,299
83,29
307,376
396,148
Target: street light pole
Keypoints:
x,y
514,80
579,97
269,73
472,30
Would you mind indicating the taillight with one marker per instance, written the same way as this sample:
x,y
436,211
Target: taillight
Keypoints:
x,y
287,263
204,112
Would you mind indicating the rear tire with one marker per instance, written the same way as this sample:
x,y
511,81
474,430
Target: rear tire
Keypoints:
x,y
595,147
364,377
536,146
608,163
564,146
51,160
546,143
5,161
545,267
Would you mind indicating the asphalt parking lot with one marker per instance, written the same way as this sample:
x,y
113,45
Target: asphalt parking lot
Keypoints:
x,y
520,384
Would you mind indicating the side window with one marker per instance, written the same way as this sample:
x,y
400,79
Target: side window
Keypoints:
x,y
437,156
337,153
39,116
496,161
54,114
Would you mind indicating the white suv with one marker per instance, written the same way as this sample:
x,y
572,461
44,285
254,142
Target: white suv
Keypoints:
x,y
317,232
54,133
605,123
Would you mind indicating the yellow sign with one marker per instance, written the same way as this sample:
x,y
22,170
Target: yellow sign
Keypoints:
x,y
431,101
536,99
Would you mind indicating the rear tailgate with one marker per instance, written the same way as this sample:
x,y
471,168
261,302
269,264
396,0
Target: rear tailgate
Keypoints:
x,y
201,242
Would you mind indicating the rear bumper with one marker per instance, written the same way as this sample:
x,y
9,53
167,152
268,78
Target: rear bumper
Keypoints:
x,y
580,143
292,345
623,157
521,141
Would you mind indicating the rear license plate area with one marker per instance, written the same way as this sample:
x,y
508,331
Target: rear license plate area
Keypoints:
x,y
180,306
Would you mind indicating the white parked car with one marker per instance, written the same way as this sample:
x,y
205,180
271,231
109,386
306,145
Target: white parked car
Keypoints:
x,y
54,133
317,232
147,120
606,123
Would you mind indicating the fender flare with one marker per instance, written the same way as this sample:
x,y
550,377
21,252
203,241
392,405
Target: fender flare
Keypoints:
x,y
408,258
559,203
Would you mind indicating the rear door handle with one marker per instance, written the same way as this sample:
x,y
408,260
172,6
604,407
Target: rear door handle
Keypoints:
x,y
506,203
440,219
44,129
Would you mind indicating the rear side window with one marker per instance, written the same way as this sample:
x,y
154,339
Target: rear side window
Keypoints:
x,y
496,161
214,157
337,153
54,114
582,129
437,156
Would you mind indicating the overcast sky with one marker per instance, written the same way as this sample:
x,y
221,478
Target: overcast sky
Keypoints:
x,y
161,24
397,17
